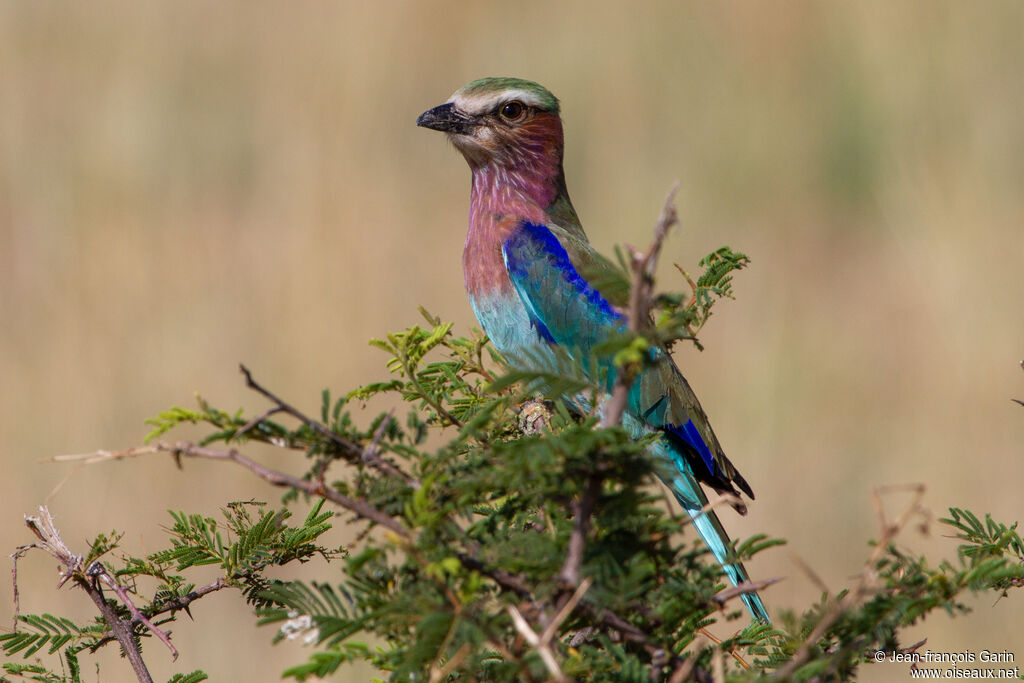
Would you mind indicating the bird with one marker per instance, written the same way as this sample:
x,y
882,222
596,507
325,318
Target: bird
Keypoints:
x,y
529,271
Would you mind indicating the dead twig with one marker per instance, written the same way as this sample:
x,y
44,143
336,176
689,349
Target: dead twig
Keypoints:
x,y
867,583
582,509
99,573
346,446
720,500
810,573
739,589
49,540
640,295
544,650
183,448
542,642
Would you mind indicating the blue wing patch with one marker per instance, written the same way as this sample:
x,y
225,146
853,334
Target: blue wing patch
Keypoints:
x,y
542,329
689,435
562,305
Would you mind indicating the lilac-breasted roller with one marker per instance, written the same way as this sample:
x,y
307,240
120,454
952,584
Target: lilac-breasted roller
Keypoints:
x,y
524,262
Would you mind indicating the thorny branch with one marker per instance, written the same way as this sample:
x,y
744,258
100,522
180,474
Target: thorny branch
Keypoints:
x,y
582,509
867,584
742,589
99,574
368,455
516,584
640,295
313,488
50,541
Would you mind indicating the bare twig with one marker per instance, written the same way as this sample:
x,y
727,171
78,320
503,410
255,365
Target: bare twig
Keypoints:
x,y
542,643
552,628
718,641
640,295
543,649
347,446
867,585
99,573
183,601
184,448
50,541
810,573
742,589
582,509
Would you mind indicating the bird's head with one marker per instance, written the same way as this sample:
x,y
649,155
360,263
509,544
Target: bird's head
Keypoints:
x,y
501,121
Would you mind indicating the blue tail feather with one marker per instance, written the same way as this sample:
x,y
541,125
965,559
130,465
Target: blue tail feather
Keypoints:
x,y
690,495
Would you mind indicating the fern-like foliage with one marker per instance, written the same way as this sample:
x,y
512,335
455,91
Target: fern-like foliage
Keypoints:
x,y
244,546
464,520
45,630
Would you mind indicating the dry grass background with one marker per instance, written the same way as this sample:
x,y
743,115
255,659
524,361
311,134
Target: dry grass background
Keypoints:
x,y
184,186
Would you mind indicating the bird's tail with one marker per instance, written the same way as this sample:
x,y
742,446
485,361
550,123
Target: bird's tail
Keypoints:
x,y
693,500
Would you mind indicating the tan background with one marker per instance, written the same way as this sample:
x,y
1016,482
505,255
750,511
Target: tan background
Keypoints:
x,y
184,186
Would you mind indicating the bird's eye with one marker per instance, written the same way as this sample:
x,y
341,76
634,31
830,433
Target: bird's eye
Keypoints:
x,y
512,111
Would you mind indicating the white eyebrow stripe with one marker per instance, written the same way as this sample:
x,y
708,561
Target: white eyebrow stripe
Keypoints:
x,y
483,103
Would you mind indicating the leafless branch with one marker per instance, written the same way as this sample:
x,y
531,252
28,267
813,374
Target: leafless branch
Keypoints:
x,y
582,509
183,448
720,500
347,446
552,628
183,601
640,295
99,573
811,574
50,541
543,642
742,589
867,585
543,649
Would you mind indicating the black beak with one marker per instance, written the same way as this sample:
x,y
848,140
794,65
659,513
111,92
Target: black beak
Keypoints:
x,y
447,119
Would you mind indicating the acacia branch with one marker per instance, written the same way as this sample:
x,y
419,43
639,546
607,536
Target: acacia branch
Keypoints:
x,y
867,585
99,573
314,488
600,616
640,296
183,601
49,540
740,589
582,510
368,455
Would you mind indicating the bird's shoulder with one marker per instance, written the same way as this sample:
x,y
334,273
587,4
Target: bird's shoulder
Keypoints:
x,y
570,250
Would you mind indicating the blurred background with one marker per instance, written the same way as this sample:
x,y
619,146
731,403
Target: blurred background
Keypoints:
x,y
184,186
